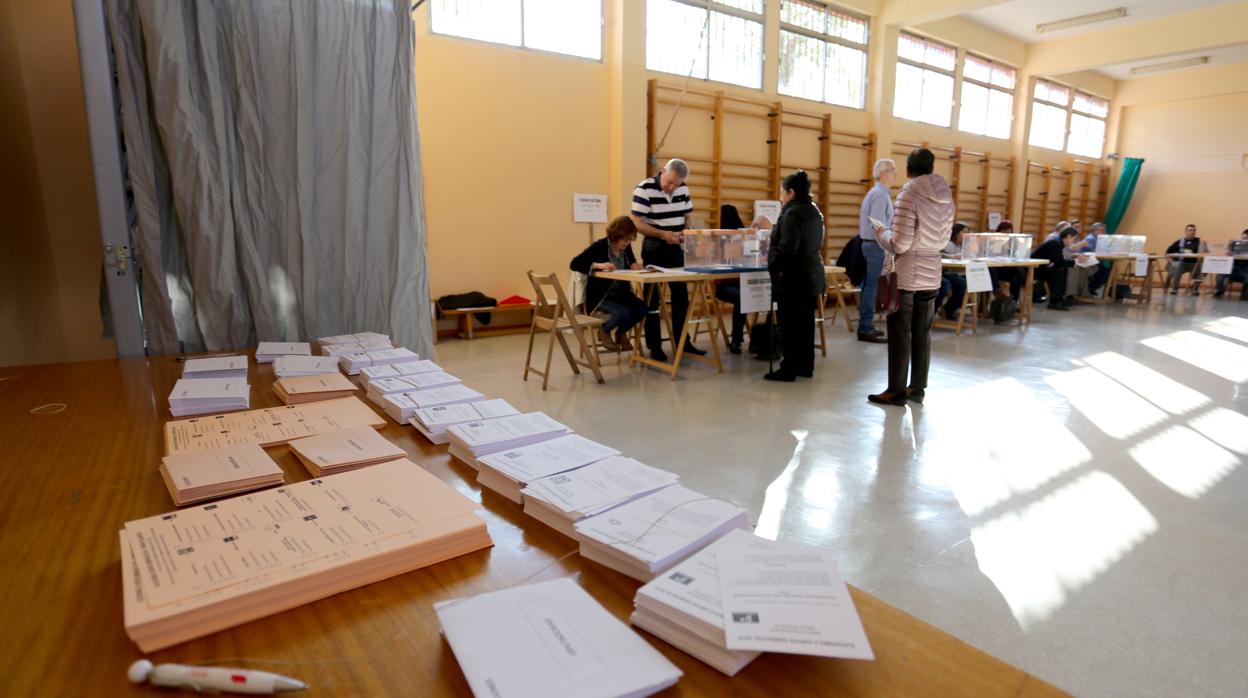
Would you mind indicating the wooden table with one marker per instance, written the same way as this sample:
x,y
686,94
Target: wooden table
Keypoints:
x,y
703,308
70,479
1115,272
971,301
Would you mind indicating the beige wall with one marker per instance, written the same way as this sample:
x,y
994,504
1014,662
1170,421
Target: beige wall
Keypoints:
x,y
50,278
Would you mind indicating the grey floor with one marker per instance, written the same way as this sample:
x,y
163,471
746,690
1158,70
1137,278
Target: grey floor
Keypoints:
x,y
1071,497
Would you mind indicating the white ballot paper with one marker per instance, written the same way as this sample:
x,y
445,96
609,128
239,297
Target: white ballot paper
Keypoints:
x,y
1141,265
1217,265
978,280
547,457
600,485
549,640
790,599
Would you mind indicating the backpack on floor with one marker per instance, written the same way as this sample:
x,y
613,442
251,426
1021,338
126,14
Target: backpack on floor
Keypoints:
x,y
1002,309
765,341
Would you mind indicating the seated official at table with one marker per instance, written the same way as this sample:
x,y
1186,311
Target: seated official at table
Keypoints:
x,y
1054,273
613,298
1185,265
1239,272
1012,277
729,290
795,263
952,284
1087,281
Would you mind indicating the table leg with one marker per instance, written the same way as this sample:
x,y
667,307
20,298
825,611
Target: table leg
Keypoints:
x,y
1111,284
1028,285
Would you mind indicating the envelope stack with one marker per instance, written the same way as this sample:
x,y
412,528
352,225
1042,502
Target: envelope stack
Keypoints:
x,y
348,449
199,475
266,352
406,368
373,340
353,362
323,386
191,396
290,366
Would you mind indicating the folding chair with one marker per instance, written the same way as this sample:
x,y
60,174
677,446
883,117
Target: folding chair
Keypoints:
x,y
840,286
558,318
579,285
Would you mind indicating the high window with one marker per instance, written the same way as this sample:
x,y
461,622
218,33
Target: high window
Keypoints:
x,y
823,53
1050,102
925,71
1087,126
572,27
987,97
718,40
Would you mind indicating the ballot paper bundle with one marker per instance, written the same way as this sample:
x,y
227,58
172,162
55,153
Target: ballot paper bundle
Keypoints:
x,y
269,426
266,352
432,422
348,449
648,535
194,477
193,572
559,501
552,640
472,440
203,395
337,350
380,387
406,368
743,595
506,472
216,367
401,406
323,386
362,337
354,361
288,366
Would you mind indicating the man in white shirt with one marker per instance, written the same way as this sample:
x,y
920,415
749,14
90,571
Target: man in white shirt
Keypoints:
x,y
877,204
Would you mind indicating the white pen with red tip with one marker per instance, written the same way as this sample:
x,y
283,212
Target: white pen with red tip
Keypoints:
x,y
212,679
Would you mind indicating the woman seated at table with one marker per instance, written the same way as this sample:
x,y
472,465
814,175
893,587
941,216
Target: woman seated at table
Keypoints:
x,y
1011,276
615,299
952,284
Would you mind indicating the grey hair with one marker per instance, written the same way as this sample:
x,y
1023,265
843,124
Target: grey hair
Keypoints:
x,y
678,167
881,166
1099,224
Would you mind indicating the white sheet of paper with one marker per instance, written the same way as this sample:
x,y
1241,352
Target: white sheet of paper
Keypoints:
x,y
875,222
464,412
1217,265
1141,265
599,484
546,458
769,208
755,292
589,208
476,434
994,220
789,600
978,280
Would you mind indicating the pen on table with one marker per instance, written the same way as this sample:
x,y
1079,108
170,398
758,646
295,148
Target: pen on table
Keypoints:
x,y
212,679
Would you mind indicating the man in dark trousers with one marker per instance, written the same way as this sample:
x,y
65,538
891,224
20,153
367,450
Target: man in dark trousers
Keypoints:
x,y
795,261
1054,272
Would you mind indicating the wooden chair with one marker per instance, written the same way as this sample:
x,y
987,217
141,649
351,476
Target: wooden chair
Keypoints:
x,y
557,317
840,288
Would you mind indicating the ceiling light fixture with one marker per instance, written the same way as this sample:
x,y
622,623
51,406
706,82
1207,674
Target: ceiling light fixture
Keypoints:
x,y
1172,65
1081,20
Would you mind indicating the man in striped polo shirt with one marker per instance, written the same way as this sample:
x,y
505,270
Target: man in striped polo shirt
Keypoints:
x,y
662,210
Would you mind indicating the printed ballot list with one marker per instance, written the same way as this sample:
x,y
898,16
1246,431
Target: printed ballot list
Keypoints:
x,y
269,426
788,599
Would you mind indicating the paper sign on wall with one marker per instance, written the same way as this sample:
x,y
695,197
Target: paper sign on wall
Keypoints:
x,y
977,278
994,220
768,208
589,208
755,292
1217,265
1141,265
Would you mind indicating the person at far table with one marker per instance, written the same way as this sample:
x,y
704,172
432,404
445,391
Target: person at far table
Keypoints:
x,y
1087,281
1057,231
795,263
1012,277
729,290
877,204
952,284
920,230
662,210
614,298
1185,265
1054,273
1239,272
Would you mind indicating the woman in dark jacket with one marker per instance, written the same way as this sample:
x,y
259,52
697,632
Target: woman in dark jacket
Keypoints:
x,y
614,298
795,260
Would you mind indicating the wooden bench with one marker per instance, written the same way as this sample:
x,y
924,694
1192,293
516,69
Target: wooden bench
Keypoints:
x,y
466,327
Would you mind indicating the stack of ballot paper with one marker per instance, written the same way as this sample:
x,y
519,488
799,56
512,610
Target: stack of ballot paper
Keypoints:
x,y
648,535
353,362
339,451
372,337
266,352
287,366
559,501
203,395
195,572
472,440
216,367
269,426
552,640
337,350
322,386
406,368
200,475
401,406
433,422
506,472
743,595
380,387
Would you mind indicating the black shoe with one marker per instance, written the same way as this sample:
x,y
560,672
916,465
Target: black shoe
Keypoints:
x,y
887,398
875,337
1058,306
658,355
690,349
914,395
781,375
1218,294
734,348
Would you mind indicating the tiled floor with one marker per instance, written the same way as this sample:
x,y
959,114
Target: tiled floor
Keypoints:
x,y
1072,497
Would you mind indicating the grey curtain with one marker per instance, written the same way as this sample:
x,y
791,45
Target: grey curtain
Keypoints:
x,y
273,155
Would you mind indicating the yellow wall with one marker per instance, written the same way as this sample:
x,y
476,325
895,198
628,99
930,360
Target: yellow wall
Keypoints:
x,y
50,277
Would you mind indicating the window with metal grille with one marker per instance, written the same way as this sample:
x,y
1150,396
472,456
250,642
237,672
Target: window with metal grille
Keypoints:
x,y
924,90
823,53
719,40
987,97
570,27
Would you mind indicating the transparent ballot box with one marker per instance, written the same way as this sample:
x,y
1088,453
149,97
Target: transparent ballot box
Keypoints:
x,y
1120,244
720,249
1002,246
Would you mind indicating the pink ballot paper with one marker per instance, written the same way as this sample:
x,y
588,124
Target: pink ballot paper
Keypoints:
x,y
270,426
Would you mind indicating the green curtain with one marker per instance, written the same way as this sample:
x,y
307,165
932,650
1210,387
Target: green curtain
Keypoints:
x,y
1122,193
